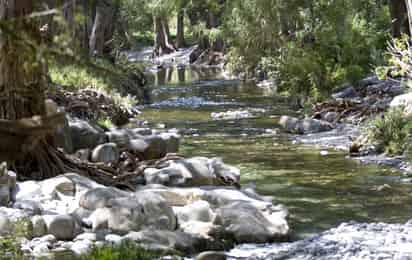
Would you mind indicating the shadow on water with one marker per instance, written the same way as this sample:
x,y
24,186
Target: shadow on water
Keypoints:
x,y
319,191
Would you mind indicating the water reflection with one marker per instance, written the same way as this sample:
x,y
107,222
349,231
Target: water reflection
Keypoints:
x,y
320,191
181,75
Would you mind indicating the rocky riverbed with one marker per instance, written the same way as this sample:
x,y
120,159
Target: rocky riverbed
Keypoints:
x,y
347,241
346,130
180,205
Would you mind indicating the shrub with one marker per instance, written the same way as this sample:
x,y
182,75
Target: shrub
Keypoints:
x,y
127,250
391,132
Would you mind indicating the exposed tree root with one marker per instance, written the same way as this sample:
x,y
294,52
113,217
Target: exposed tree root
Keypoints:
x,y
45,161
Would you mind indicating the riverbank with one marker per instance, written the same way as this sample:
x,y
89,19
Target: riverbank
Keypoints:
x,y
348,129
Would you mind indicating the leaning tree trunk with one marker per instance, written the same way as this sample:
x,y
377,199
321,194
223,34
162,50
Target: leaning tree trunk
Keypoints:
x,y
96,44
409,11
162,43
180,34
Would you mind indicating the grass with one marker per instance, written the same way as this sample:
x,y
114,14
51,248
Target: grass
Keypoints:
x,y
125,251
107,80
10,245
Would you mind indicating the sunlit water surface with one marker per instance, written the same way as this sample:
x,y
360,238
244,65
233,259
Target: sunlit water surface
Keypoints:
x,y
319,191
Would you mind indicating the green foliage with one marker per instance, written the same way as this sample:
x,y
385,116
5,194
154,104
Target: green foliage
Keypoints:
x,y
106,123
398,59
123,251
10,245
391,132
308,47
74,77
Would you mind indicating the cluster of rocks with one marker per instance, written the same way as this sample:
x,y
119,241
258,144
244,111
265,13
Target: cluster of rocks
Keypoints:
x,y
237,114
304,126
90,142
183,205
348,241
71,213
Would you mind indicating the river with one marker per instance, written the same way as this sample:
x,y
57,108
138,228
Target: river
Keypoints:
x,y
321,190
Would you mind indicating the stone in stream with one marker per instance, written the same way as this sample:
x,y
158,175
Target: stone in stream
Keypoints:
x,y
245,223
63,227
106,153
100,197
211,255
85,135
39,226
143,210
304,126
192,172
58,185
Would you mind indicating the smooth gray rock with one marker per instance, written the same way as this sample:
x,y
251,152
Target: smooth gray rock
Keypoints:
x,y
106,153
144,210
211,255
85,135
121,137
304,126
63,227
100,197
82,183
172,142
245,223
193,172
39,226
59,184
157,147
197,211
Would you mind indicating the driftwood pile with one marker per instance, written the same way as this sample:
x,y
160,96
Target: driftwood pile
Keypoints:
x,y
355,104
126,174
92,105
351,110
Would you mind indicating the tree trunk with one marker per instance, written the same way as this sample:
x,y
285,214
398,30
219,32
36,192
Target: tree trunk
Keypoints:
x,y
96,44
409,12
180,35
22,82
22,85
399,17
162,43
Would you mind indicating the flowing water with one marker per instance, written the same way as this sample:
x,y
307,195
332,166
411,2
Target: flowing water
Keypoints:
x,y
319,191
